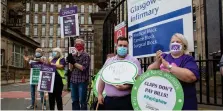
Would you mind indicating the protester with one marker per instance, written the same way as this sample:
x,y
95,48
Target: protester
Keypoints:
x,y
38,58
221,65
182,65
118,97
59,81
80,67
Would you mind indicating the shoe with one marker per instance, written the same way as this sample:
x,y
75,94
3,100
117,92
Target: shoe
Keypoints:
x,y
44,107
31,107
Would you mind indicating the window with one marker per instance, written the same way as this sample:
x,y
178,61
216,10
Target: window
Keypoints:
x,y
58,42
17,53
51,7
82,8
50,42
35,30
51,19
67,6
27,18
65,42
44,7
27,6
89,20
58,31
89,29
36,7
58,20
51,30
43,31
43,42
59,7
43,19
2,57
90,9
27,30
50,54
82,19
35,19
82,29
96,8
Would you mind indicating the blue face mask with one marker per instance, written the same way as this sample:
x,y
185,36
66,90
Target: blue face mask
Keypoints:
x,y
38,55
122,51
54,54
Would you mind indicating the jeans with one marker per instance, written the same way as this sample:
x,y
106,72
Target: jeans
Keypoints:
x,y
33,91
79,95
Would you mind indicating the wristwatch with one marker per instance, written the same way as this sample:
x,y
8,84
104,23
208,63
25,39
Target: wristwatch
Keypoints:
x,y
169,66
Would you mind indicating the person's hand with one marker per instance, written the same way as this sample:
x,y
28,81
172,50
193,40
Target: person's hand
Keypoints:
x,y
100,99
158,56
26,58
53,64
164,62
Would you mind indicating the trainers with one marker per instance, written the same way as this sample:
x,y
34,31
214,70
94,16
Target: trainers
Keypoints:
x,y
44,107
31,107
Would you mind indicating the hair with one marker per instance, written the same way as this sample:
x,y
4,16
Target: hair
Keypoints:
x,y
184,41
39,49
79,39
123,39
58,50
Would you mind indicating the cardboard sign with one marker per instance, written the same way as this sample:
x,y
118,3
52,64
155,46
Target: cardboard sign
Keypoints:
x,y
72,50
35,72
119,72
157,90
46,78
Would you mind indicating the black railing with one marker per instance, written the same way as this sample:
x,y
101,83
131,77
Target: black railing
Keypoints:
x,y
209,87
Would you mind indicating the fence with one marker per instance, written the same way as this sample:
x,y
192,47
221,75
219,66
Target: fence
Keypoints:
x,y
209,87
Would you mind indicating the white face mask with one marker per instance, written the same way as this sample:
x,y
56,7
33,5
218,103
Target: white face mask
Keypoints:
x,y
175,48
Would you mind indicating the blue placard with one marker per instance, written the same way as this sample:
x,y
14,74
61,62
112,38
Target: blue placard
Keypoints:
x,y
150,40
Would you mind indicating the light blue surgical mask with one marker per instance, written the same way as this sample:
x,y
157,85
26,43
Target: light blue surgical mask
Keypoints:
x,y
38,55
122,51
54,54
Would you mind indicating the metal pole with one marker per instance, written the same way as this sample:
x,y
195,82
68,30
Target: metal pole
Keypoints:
x,y
221,23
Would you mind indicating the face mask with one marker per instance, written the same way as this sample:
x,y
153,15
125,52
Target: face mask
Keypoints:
x,y
54,54
122,51
38,55
175,48
79,47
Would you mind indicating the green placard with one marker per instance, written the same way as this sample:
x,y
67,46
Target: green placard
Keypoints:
x,y
95,85
157,90
34,77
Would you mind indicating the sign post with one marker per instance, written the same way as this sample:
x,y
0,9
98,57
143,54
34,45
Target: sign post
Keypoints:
x,y
151,24
157,90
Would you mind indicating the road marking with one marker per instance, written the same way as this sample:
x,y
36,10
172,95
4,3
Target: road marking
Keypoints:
x,y
30,98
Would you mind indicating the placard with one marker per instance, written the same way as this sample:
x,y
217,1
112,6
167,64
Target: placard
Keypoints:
x,y
119,72
35,72
72,50
46,78
157,90
96,83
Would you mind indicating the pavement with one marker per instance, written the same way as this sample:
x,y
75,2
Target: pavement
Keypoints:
x,y
16,96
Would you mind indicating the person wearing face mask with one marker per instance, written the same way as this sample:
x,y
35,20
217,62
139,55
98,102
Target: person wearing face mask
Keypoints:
x,y
182,65
80,66
58,61
118,97
38,58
